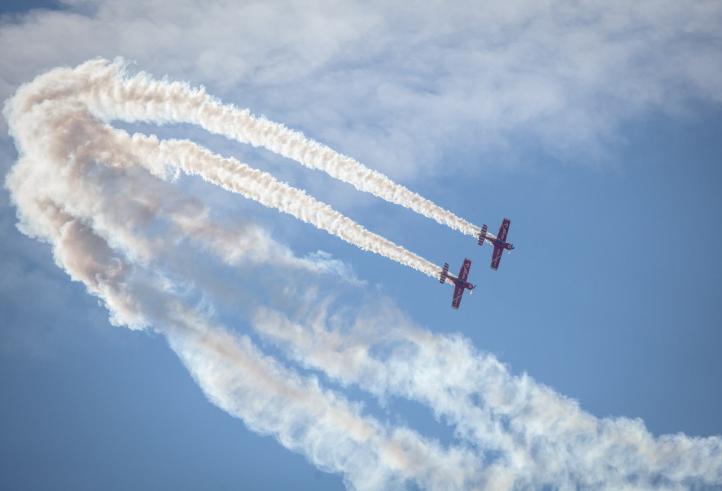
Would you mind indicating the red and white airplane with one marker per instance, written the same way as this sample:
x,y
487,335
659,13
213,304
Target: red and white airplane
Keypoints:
x,y
460,283
499,242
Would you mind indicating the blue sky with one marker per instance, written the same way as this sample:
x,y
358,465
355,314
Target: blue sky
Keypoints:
x,y
594,131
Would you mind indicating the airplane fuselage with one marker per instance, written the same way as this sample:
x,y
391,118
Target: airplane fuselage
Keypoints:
x,y
462,284
500,243
459,282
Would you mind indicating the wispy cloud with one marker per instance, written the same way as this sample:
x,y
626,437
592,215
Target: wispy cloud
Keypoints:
x,y
400,86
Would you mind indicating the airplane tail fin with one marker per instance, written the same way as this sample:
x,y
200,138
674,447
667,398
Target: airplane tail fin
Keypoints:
x,y
444,273
482,235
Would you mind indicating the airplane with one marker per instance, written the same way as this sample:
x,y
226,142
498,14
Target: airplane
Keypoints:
x,y
460,283
499,242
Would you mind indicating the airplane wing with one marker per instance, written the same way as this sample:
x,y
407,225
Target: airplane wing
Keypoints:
x,y
458,293
464,271
504,230
496,257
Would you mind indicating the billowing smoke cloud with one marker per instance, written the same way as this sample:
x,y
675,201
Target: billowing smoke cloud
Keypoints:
x,y
106,203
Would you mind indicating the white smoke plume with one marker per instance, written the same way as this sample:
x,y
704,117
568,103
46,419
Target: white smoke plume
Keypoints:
x,y
112,93
536,436
105,202
98,206
84,85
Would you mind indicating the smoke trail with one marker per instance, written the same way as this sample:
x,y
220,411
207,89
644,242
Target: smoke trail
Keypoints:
x,y
537,437
232,175
111,93
117,146
100,222
66,186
